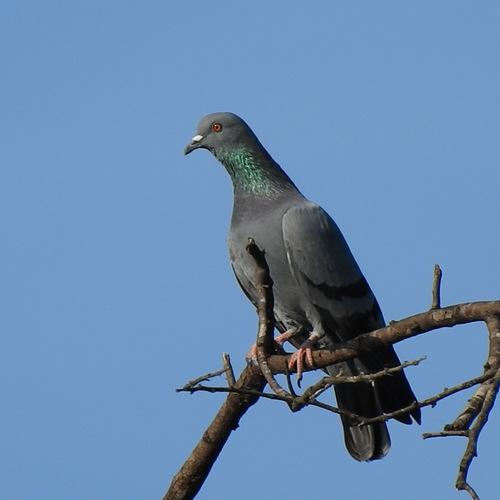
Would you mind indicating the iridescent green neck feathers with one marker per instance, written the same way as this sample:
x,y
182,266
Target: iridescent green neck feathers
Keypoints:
x,y
253,172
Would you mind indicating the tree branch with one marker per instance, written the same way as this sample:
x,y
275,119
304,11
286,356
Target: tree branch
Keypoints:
x,y
310,395
396,332
265,308
249,387
188,481
479,405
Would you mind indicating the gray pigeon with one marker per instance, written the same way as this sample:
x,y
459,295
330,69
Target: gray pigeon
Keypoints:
x,y
321,296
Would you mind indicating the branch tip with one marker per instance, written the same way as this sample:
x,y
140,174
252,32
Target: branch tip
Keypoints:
x,y
436,287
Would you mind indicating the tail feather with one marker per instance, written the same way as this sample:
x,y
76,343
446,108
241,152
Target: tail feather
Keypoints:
x,y
367,442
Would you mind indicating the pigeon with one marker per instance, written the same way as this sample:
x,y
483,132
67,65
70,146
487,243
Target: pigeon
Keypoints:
x,y
321,297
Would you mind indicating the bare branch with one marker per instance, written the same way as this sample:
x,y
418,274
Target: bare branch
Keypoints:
x,y
265,312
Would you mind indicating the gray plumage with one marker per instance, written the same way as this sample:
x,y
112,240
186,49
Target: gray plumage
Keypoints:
x,y
318,286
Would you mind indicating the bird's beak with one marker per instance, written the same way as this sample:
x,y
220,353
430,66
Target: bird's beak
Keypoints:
x,y
194,144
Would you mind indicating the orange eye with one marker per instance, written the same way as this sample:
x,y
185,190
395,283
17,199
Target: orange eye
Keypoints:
x,y
216,127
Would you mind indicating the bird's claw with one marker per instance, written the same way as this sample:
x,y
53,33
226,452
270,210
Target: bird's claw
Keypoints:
x,y
302,357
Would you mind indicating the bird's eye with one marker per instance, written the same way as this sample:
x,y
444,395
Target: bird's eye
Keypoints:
x,y
216,127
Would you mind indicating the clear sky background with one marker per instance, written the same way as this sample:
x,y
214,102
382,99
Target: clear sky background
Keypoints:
x,y
116,287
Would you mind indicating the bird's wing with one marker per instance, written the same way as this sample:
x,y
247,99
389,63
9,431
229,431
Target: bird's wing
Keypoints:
x,y
323,266
330,278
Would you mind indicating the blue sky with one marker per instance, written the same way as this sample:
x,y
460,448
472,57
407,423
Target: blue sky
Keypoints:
x,y
116,284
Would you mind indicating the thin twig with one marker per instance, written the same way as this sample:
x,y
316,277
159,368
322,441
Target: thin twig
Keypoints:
x,y
430,401
308,398
428,435
204,378
310,395
312,392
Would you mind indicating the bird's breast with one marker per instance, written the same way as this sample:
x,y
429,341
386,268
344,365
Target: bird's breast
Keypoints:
x,y
267,233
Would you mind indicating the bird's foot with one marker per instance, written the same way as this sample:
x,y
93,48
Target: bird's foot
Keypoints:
x,y
285,336
251,355
303,356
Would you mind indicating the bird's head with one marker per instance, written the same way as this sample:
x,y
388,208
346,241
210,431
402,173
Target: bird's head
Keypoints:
x,y
221,131
233,143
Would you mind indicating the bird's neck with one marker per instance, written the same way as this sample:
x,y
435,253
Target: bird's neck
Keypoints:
x,y
254,172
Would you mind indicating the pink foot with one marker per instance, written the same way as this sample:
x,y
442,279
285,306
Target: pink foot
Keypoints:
x,y
285,337
303,356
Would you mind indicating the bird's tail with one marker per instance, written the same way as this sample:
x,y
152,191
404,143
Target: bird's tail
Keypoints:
x,y
367,442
